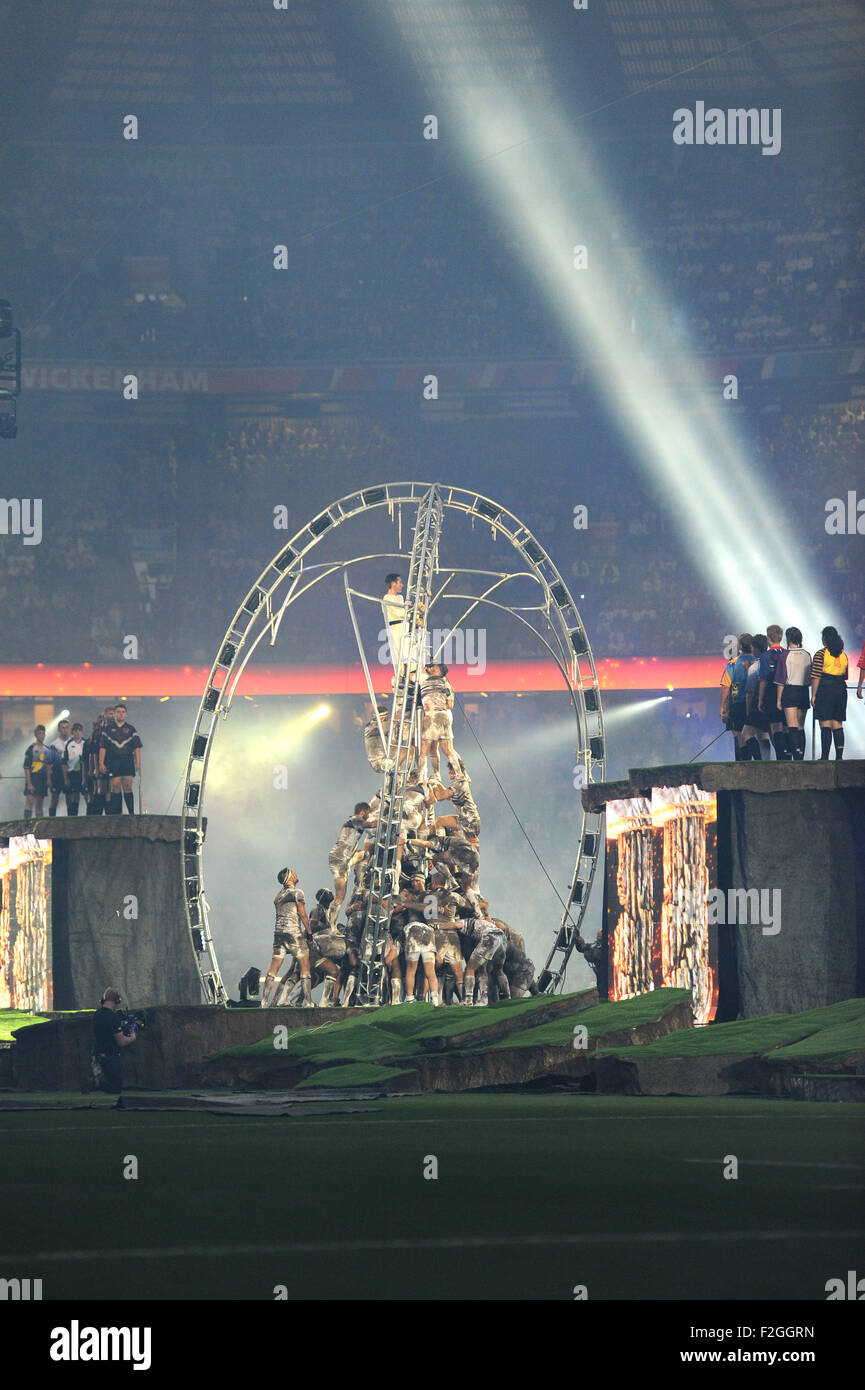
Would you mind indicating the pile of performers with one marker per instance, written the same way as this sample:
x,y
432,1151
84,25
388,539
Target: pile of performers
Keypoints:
x,y
438,917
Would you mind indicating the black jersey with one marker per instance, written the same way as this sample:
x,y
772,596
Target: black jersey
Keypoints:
x,y
120,742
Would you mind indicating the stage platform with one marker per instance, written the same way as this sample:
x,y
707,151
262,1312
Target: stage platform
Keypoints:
x,y
170,1054
642,1046
109,912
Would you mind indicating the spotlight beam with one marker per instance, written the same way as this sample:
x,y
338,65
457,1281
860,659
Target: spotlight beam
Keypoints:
x,y
689,450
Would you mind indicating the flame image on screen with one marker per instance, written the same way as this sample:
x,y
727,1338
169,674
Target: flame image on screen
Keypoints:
x,y
25,924
661,865
629,825
686,818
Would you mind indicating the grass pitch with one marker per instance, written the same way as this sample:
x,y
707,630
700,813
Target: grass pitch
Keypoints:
x,y
534,1195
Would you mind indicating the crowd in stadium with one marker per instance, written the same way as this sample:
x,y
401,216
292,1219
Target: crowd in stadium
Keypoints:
x,y
370,275
637,597
185,273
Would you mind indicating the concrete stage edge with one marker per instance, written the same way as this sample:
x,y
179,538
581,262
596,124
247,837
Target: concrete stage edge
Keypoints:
x,y
798,827
171,1053
100,865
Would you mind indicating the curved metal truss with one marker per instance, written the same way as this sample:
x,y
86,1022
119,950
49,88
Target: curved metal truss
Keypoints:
x,y
286,578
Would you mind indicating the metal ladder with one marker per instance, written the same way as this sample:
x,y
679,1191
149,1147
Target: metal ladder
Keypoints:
x,y
404,746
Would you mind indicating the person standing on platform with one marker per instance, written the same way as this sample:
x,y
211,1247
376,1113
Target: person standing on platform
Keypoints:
x,y
37,758
73,768
792,672
766,697
96,783
733,699
58,781
120,757
861,665
829,692
756,731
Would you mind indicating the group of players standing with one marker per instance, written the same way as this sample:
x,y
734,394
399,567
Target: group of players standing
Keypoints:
x,y
439,919
767,690
99,768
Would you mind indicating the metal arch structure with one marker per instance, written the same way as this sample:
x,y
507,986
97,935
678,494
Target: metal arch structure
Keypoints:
x,y
285,579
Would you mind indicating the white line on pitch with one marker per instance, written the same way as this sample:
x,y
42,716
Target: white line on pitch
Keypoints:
x,y
435,1243
409,1120
782,1163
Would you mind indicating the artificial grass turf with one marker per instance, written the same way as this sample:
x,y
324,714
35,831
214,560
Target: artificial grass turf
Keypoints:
x,y
625,1195
10,1019
832,1031
354,1039
391,1032
599,1020
452,1021
394,1035
838,1041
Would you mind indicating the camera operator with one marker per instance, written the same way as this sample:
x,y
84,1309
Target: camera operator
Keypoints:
x,y
108,1038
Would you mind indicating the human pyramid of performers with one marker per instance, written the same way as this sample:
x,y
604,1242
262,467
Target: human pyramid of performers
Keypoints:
x,y
439,918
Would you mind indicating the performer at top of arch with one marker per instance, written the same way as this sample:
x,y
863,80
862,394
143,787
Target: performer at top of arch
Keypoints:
x,y
393,605
397,617
437,695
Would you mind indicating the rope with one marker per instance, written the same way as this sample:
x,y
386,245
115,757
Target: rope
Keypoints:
x,y
565,907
